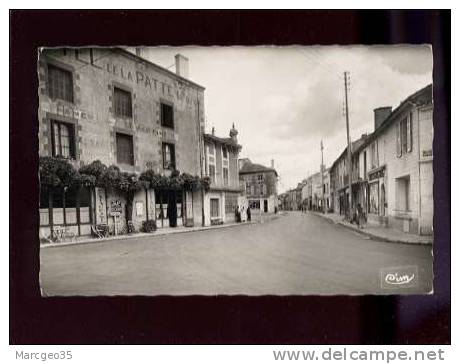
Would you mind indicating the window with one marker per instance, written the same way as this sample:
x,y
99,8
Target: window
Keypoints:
x,y
254,205
167,116
211,149
409,133
365,165
125,152
63,139
212,173
214,207
260,177
403,126
231,202
224,153
225,176
374,155
403,194
404,136
122,103
60,83
169,156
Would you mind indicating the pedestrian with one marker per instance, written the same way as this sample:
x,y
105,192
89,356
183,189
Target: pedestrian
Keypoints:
x,y
360,216
248,213
237,214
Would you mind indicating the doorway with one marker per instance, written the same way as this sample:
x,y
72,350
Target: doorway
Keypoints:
x,y
265,206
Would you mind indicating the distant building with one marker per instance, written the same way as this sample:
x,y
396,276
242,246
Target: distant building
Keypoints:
x,y
261,185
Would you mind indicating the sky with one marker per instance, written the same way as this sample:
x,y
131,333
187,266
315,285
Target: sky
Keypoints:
x,y
285,100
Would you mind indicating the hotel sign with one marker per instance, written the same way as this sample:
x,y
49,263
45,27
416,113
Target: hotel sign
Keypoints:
x,y
148,81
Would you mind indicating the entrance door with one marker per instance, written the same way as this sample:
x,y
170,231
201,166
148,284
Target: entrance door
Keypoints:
x,y
265,206
172,208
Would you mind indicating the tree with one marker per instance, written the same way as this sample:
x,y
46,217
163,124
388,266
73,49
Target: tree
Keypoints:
x,y
56,172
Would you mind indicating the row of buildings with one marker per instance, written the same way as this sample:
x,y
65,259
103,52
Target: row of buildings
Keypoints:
x,y
391,171
112,105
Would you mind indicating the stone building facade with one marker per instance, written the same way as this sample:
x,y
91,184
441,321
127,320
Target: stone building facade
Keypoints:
x,y
221,166
392,168
397,163
111,105
261,185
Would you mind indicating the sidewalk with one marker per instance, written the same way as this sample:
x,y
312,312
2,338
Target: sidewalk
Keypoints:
x,y
159,232
377,232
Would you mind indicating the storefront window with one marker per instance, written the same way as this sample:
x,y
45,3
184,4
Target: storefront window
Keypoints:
x,y
374,198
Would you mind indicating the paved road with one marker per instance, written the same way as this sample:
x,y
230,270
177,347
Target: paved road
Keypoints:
x,y
292,254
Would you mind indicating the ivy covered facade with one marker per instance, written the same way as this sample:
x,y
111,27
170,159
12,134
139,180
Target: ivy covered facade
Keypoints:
x,y
121,139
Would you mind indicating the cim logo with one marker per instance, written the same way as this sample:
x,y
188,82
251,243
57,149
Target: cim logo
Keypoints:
x,y
398,277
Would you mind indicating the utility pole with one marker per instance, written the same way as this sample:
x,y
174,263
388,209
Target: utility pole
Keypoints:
x,y
346,76
322,178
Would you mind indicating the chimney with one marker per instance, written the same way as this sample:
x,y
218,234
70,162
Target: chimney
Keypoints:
x,y
242,162
213,131
380,114
272,164
138,51
181,65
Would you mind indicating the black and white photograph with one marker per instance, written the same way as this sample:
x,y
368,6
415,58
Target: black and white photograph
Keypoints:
x,y
256,170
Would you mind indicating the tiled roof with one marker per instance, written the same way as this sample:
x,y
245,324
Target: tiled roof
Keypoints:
x,y
227,141
250,167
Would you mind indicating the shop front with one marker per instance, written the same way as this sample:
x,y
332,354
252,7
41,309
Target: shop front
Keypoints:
x,y
377,199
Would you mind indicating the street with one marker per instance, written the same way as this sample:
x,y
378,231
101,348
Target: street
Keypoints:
x,y
293,253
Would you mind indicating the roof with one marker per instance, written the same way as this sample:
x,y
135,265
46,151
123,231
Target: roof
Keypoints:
x,y
421,97
250,167
158,67
226,141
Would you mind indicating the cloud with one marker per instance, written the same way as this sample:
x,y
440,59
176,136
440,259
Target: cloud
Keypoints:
x,y
284,100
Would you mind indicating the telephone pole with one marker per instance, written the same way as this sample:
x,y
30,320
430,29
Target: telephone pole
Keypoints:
x,y
345,77
322,178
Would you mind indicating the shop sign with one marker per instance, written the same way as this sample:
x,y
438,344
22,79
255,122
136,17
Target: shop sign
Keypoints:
x,y
115,208
428,153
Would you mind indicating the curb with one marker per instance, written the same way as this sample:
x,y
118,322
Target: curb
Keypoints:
x,y
145,235
371,235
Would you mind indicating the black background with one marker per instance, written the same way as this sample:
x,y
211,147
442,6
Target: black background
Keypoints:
x,y
221,319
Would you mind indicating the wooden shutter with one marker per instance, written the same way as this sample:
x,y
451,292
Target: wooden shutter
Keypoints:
x,y
398,140
409,133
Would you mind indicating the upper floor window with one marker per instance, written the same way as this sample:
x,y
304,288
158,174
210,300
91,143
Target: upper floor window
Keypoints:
x,y
260,177
122,103
169,156
211,149
404,136
224,153
125,150
63,139
167,116
374,155
212,173
60,83
225,172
